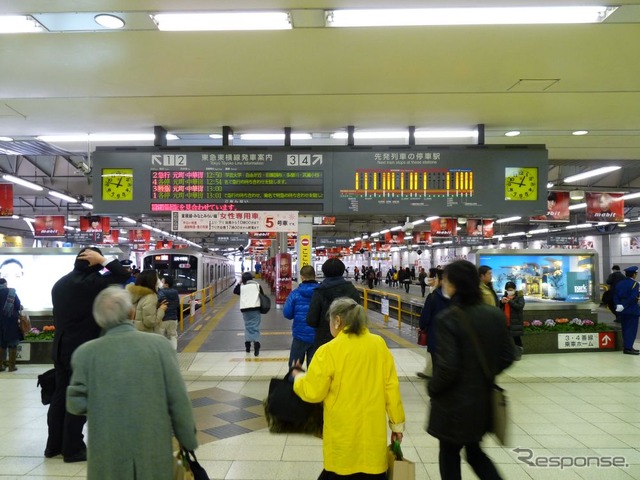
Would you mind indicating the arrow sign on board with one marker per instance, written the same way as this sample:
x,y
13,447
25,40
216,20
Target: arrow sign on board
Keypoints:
x,y
606,340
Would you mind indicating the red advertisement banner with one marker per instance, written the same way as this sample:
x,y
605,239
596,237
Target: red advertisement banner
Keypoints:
x,y
477,227
139,236
394,238
605,207
6,199
95,224
557,208
49,226
443,227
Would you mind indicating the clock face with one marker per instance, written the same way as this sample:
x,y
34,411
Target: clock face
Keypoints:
x,y
117,184
521,183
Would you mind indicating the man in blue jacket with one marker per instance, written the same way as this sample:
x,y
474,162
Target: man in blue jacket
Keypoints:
x,y
626,300
296,308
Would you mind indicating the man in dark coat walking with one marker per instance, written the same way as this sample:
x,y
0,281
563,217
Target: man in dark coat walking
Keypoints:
x,y
333,286
72,297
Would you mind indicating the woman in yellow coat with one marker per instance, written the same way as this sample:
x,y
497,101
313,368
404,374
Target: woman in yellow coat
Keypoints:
x,y
355,376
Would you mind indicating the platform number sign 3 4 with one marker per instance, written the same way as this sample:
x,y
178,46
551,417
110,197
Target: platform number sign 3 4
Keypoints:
x,y
303,160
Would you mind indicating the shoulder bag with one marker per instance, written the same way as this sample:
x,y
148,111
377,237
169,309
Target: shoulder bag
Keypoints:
x,y
265,303
25,323
499,417
187,467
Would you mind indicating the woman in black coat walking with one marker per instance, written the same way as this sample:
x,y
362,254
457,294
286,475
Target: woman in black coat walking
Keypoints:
x,y
459,390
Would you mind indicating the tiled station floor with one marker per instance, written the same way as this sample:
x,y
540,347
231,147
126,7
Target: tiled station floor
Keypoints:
x,y
570,406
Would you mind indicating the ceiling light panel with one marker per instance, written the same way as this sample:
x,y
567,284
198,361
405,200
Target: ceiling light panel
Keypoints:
x,y
591,173
19,24
467,16
86,21
220,21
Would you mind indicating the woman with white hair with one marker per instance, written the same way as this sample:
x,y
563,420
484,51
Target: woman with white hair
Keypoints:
x,y
129,386
354,375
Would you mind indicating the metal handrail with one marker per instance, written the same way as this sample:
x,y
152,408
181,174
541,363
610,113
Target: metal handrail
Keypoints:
x,y
383,294
192,304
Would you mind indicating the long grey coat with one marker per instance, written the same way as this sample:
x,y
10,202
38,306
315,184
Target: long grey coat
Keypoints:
x,y
129,385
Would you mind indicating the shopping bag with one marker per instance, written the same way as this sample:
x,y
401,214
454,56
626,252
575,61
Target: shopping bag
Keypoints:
x,y
499,416
25,323
186,467
265,304
422,337
399,468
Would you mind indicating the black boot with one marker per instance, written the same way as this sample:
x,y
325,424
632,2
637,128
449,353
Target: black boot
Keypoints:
x,y
13,354
247,346
256,348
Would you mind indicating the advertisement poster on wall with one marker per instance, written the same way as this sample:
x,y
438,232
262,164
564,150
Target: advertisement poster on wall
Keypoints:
x,y
605,207
283,277
630,245
422,238
394,238
557,208
139,236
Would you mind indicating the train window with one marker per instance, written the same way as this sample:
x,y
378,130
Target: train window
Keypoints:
x,y
184,269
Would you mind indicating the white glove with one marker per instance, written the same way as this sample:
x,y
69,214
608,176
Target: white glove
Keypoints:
x,y
619,308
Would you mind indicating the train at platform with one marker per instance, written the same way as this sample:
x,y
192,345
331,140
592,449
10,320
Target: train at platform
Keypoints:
x,y
192,270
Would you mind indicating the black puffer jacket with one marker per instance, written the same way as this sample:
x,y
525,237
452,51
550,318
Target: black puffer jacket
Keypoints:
x,y
459,390
516,308
330,289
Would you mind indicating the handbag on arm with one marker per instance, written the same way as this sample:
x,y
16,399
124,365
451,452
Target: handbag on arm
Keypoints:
x,y
499,417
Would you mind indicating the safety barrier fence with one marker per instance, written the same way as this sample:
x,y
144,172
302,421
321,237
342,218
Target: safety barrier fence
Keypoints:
x,y
188,304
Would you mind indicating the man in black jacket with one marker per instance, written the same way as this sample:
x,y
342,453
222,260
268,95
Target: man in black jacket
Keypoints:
x,y
72,297
333,286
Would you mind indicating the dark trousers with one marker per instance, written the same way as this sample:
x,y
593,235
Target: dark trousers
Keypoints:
x,y
356,476
65,429
449,459
629,324
406,286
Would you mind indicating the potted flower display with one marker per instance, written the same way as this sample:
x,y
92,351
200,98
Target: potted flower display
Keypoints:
x,y
564,335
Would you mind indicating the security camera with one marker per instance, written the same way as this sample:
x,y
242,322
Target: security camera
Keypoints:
x,y
408,226
84,168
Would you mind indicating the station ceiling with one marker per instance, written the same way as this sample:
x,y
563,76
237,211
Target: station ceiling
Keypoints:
x,y
545,81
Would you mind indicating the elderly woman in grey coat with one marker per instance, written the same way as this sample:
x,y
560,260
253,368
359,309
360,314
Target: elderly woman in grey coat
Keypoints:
x,y
129,386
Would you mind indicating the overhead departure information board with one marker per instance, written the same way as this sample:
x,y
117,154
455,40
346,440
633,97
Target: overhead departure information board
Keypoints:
x,y
439,180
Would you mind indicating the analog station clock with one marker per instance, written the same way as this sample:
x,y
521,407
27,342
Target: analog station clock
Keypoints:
x,y
521,183
117,184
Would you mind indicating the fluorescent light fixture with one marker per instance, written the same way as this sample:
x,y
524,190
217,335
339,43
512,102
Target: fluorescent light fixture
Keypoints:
x,y
539,230
458,229
446,134
67,227
375,234
404,134
550,185
19,24
22,182
508,219
128,220
6,139
356,239
87,205
371,135
273,136
577,206
579,133
222,21
109,21
466,16
364,237
395,229
418,222
146,226
386,230
576,195
591,173
512,133
29,219
156,229
432,218
14,217
515,234
62,196
104,137
630,196
580,226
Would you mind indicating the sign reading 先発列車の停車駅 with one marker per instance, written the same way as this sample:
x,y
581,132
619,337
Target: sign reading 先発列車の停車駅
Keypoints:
x,y
477,180
234,221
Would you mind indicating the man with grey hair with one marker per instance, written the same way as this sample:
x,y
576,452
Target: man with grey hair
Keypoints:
x,y
129,386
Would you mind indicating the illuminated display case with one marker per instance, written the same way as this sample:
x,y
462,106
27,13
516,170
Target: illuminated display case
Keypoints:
x,y
550,278
34,271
